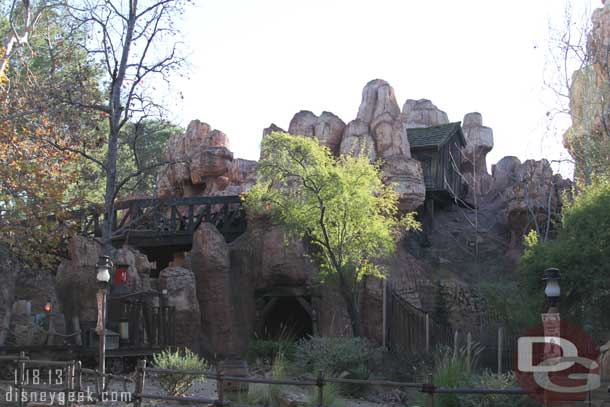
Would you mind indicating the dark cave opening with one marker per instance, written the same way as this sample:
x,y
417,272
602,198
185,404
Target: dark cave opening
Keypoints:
x,y
287,320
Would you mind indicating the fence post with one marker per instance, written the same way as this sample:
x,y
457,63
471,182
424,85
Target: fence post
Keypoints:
x,y
141,374
79,376
500,345
469,350
68,376
220,388
320,384
427,332
429,388
20,379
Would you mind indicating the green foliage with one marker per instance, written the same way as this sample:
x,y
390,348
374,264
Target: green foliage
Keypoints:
x,y
176,384
340,205
335,355
490,380
267,349
581,253
452,369
330,396
278,372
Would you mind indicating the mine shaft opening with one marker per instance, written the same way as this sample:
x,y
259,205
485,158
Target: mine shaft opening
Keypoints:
x,y
287,320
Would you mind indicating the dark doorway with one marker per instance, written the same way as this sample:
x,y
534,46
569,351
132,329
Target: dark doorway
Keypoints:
x,y
287,320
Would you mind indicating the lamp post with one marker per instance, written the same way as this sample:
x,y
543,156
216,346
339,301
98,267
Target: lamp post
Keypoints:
x,y
551,320
102,269
552,290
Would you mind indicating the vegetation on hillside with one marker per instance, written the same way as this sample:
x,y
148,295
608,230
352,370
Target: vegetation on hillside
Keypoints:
x,y
339,205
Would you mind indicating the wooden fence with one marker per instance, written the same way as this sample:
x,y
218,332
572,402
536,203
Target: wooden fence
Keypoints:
x,y
411,331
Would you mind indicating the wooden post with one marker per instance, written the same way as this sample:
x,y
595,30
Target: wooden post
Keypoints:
x,y
469,351
67,372
140,377
430,397
79,376
20,378
220,387
427,332
500,345
455,343
320,385
385,314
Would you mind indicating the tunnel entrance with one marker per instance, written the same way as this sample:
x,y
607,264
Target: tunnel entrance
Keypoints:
x,y
287,319
285,313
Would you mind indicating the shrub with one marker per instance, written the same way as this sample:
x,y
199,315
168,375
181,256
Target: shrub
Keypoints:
x,y
346,357
267,349
330,396
176,384
334,355
491,380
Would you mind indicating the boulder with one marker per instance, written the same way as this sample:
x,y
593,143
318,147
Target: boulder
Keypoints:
x,y
75,279
422,113
390,137
182,294
377,98
328,128
357,139
210,262
209,163
407,175
479,142
533,197
504,172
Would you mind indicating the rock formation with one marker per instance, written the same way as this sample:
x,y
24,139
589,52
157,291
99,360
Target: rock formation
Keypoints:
x,y
588,139
422,113
327,128
379,132
479,142
182,295
203,165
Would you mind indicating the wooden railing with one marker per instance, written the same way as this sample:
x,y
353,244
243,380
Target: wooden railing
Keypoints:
x,y
156,222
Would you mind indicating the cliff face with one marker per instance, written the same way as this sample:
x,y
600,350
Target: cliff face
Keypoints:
x,y
588,139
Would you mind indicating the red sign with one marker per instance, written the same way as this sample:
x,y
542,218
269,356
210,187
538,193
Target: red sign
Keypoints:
x,y
121,275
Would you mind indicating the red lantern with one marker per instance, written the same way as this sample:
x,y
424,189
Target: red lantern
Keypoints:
x,y
121,275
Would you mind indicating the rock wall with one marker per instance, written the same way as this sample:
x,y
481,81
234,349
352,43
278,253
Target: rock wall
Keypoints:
x,y
588,139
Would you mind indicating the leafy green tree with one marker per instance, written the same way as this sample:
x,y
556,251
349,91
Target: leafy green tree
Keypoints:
x,y
340,205
581,251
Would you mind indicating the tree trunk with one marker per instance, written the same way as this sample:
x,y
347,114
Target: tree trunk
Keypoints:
x,y
352,310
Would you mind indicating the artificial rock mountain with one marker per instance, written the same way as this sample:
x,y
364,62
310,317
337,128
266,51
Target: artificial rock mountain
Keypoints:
x,y
213,286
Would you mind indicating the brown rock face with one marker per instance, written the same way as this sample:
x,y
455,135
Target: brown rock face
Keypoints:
x,y
479,142
422,113
587,139
407,174
76,284
182,294
377,98
533,194
356,140
390,137
211,265
327,128
204,165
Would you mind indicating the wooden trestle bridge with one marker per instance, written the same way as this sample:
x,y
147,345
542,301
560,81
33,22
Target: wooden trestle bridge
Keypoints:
x,y
146,223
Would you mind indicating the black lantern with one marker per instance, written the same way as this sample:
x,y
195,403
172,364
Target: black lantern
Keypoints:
x,y
552,290
103,268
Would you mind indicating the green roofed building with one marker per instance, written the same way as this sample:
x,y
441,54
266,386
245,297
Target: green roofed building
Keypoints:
x,y
439,149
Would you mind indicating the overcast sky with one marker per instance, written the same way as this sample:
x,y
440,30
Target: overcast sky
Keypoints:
x,y
256,62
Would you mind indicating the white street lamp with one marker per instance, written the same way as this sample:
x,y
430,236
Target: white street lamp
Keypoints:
x,y
552,289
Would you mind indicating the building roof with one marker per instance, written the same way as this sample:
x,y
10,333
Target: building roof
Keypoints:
x,y
435,136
